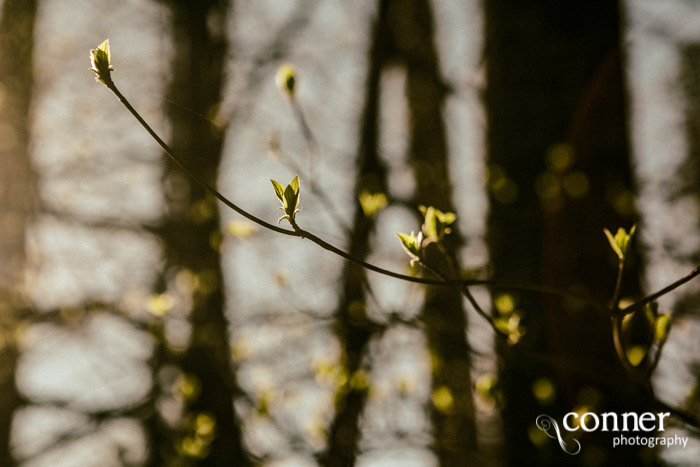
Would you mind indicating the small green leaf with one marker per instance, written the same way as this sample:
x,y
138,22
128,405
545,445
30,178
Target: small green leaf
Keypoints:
x,y
436,224
406,240
623,239
620,242
430,226
100,61
508,324
411,244
279,190
295,184
372,203
447,218
613,243
289,196
662,325
286,80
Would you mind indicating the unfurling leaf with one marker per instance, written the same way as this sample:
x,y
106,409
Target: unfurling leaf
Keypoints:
x,y
289,196
100,61
437,223
613,243
279,190
294,184
620,242
411,244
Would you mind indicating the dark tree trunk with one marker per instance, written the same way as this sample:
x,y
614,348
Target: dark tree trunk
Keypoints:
x,y
352,325
403,35
191,226
454,433
558,159
16,192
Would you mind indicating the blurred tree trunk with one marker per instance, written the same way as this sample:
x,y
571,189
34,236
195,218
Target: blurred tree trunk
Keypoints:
x,y
403,34
688,186
452,411
190,231
16,192
352,326
559,173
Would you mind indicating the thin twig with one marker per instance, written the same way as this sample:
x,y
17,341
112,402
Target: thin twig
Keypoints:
x,y
620,346
617,321
466,292
618,284
298,232
659,351
213,191
650,298
311,145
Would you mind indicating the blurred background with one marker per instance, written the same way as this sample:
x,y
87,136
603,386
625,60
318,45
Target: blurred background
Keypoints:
x,y
142,323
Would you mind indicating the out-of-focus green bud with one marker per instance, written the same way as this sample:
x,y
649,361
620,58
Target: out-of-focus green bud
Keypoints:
x,y
285,79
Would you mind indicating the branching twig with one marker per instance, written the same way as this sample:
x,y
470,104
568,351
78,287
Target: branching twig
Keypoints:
x,y
620,346
617,320
301,233
102,68
213,191
465,290
650,298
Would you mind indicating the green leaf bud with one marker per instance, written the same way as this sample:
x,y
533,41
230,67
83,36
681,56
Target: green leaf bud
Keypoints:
x,y
100,61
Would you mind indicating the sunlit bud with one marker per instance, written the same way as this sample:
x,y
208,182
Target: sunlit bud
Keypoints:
x,y
286,79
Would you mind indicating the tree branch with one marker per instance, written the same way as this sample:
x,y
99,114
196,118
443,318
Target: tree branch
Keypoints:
x,y
301,233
